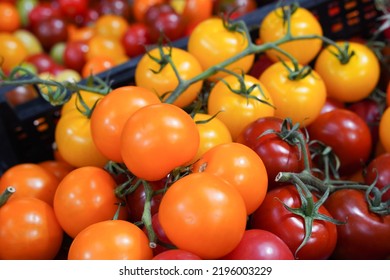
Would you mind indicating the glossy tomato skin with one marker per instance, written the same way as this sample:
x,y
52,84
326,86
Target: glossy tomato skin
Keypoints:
x,y
29,230
277,154
384,132
135,39
347,134
351,81
86,196
30,180
111,113
257,244
157,139
163,82
211,43
238,110
111,240
302,22
274,217
378,171
176,254
209,213
365,234
300,99
241,167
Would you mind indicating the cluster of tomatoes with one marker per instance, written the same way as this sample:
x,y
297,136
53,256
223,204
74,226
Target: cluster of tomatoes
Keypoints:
x,y
207,156
84,37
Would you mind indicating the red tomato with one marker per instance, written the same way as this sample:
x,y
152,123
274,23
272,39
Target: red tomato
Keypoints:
x,y
176,254
30,180
241,167
274,217
257,244
135,39
347,134
110,240
157,139
378,171
29,230
365,234
203,214
111,113
84,197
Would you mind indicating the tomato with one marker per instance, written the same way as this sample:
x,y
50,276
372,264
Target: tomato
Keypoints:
x,y
274,217
331,103
85,196
29,40
163,243
365,234
140,7
50,32
212,132
176,254
300,99
241,167
302,22
96,65
388,94
73,8
75,55
30,180
21,94
12,51
350,80
75,102
212,43
110,240
107,46
237,106
58,168
111,113
234,8
348,136
257,244
203,214
42,61
193,11
10,18
158,138
111,25
135,39
277,154
150,75
384,132
29,230
378,171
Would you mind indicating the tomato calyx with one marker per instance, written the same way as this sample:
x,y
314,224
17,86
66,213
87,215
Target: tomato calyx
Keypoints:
x,y
374,200
343,53
296,73
287,12
327,160
309,209
6,195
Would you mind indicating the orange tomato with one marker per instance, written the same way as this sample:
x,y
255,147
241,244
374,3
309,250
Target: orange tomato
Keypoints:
x,y
9,17
111,25
12,51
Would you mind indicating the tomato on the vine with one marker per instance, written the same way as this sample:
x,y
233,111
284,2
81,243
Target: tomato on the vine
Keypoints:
x,y
239,101
158,138
111,113
378,171
29,230
299,98
111,240
240,166
350,75
204,214
302,22
161,77
211,42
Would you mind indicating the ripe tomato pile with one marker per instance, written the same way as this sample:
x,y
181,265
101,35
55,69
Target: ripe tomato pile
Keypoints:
x,y
273,147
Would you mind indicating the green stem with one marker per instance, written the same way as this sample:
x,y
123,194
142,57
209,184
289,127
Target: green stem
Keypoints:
x,y
6,195
147,215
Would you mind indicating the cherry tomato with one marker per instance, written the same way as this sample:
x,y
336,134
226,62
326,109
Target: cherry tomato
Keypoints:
x,y
111,113
110,240
111,25
203,214
58,168
100,45
302,22
241,167
212,132
274,217
29,230
75,55
300,99
135,39
350,80
50,32
384,132
378,171
236,110
163,81
193,11
73,8
212,43
140,7
347,134
176,254
30,180
257,244
10,18
85,196
158,138
21,94
12,51
277,154
29,40
365,234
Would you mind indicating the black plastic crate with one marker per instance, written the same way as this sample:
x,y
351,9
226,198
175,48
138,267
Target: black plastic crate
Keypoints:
x,y
27,131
